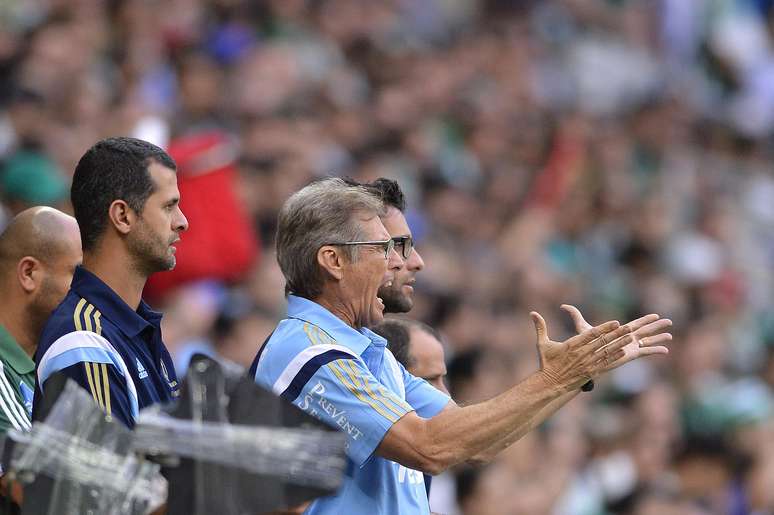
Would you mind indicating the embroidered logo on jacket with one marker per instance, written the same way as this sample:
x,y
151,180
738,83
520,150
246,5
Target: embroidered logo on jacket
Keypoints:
x,y
141,370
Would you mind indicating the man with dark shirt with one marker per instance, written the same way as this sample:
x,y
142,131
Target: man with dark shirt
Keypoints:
x,y
103,335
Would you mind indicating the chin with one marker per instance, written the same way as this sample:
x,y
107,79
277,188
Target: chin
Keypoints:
x,y
376,318
398,305
170,260
165,265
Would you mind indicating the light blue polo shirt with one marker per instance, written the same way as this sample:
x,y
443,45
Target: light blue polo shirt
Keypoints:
x,y
348,378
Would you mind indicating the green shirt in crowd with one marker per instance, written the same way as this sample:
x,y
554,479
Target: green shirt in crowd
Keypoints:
x,y
17,385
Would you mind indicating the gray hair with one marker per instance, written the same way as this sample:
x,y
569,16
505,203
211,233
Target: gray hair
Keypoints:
x,y
321,213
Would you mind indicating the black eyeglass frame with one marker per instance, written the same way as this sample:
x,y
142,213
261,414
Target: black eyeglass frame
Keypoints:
x,y
406,243
388,245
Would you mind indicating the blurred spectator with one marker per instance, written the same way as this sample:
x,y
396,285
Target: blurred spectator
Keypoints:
x,y
29,179
612,154
24,123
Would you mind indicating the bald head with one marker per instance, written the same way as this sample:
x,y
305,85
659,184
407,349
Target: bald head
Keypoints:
x,y
43,233
39,251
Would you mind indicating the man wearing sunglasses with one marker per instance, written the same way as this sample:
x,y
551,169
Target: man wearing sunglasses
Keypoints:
x,y
397,296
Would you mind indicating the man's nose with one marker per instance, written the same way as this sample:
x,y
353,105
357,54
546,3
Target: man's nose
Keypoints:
x,y
415,263
181,223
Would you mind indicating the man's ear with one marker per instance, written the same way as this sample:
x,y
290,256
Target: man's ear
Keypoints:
x,y
29,272
332,261
122,217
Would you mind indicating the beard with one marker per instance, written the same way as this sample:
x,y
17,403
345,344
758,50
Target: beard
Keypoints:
x,y
47,299
150,251
394,300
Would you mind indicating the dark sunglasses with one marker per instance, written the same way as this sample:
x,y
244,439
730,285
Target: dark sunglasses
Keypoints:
x,y
404,245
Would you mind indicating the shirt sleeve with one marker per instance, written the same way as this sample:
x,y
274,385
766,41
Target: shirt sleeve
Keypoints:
x,y
333,384
13,414
91,361
427,400
106,386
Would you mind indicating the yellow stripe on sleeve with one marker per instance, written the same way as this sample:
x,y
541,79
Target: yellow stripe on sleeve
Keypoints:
x,y
323,337
98,384
106,385
363,384
87,317
77,315
87,366
308,331
395,399
334,366
97,324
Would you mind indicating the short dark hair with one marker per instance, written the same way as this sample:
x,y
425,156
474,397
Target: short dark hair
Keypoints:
x,y
112,169
387,190
397,336
397,333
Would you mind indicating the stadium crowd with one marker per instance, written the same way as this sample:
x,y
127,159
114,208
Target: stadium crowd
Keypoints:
x,y
612,154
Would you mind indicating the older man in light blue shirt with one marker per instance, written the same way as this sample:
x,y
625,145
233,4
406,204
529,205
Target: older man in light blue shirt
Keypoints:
x,y
347,378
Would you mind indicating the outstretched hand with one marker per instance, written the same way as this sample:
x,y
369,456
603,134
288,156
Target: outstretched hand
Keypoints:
x,y
573,362
647,335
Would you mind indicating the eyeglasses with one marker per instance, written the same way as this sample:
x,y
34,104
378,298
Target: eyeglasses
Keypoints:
x,y
405,244
387,244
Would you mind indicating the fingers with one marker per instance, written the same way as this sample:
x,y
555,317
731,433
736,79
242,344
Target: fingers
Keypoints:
x,y
646,331
615,339
577,318
594,333
607,357
639,338
540,327
609,362
650,341
652,328
649,351
620,342
644,321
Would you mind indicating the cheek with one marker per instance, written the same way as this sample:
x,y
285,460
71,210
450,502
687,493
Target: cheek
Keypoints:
x,y
160,219
381,264
165,222
63,284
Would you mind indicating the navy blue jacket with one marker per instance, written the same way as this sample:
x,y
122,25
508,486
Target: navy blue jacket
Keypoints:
x,y
111,350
